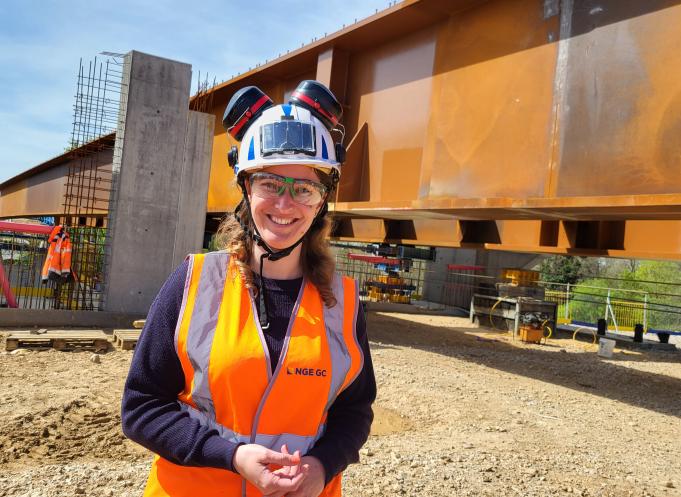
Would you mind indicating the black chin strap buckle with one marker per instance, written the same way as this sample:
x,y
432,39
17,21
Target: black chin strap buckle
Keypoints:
x,y
262,302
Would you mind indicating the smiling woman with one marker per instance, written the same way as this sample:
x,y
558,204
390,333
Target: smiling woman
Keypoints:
x,y
284,207
253,374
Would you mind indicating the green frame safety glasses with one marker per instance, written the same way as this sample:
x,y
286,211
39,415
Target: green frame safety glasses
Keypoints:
x,y
303,191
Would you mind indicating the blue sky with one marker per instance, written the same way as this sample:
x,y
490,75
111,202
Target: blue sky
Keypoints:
x,y
42,42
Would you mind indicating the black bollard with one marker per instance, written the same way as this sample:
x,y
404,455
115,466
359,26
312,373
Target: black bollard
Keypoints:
x,y
638,333
602,325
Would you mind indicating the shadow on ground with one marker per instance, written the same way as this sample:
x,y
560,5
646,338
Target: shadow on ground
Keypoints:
x,y
582,372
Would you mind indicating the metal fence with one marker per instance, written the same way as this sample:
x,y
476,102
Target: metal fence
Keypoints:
x,y
24,250
380,278
23,255
84,290
622,308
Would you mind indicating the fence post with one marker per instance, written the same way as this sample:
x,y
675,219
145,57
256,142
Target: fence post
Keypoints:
x,y
567,303
645,312
607,305
638,333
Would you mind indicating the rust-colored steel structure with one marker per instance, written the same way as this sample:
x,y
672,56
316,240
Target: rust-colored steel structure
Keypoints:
x,y
524,125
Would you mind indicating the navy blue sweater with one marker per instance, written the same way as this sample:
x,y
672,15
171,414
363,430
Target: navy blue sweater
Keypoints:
x,y
152,417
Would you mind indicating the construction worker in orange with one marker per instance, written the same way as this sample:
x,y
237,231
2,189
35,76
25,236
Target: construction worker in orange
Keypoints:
x,y
253,376
57,265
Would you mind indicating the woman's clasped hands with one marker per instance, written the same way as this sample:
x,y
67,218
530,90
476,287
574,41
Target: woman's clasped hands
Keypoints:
x,y
296,477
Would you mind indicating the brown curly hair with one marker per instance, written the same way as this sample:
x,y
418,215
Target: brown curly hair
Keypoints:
x,y
316,257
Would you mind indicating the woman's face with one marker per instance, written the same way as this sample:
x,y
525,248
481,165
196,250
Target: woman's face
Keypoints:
x,y
281,221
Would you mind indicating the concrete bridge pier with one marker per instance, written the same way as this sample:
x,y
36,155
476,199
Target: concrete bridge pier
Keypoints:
x,y
161,170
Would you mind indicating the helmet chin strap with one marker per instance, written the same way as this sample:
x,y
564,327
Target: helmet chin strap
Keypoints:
x,y
269,253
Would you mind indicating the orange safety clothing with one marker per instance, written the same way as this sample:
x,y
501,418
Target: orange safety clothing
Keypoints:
x,y
229,384
58,262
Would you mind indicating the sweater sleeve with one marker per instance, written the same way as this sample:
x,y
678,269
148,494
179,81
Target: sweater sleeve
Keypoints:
x,y
350,416
150,411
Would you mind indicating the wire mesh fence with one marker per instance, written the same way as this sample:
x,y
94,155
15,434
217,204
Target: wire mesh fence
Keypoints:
x,y
23,255
84,290
622,308
24,252
380,278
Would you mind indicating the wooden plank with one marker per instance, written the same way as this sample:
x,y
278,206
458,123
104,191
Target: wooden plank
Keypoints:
x,y
126,339
62,342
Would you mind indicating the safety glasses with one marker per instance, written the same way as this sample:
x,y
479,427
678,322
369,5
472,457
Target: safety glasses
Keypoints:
x,y
303,191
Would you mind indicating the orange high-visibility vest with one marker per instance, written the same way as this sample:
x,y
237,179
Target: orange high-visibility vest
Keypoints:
x,y
58,261
229,384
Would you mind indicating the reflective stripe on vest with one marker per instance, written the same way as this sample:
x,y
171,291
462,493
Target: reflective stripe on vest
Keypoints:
x,y
229,384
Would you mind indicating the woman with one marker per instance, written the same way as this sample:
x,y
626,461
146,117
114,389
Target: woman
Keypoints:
x,y
253,375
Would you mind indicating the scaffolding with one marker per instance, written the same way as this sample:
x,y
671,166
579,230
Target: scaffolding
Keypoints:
x,y
202,101
96,110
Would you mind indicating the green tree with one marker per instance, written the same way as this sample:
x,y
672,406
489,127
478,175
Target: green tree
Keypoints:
x,y
568,269
588,300
661,279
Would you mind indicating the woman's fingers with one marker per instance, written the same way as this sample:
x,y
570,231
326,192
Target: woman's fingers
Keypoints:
x,y
253,461
279,483
285,470
289,470
279,458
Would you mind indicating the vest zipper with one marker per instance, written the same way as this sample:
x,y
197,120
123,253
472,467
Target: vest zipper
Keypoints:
x,y
271,376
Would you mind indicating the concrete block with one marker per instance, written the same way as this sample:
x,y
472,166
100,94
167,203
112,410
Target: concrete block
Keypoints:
x,y
55,318
194,185
161,167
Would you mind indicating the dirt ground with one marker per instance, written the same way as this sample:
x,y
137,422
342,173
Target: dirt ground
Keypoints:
x,y
461,411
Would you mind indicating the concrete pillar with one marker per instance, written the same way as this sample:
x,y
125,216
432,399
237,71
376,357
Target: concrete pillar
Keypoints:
x,y
194,186
437,270
492,261
160,181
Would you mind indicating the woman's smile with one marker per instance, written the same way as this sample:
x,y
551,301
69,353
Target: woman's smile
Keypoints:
x,y
281,221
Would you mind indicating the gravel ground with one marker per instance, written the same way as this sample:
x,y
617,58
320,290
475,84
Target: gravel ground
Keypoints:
x,y
461,411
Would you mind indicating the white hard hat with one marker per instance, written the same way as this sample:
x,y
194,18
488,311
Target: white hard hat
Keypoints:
x,y
286,134
298,132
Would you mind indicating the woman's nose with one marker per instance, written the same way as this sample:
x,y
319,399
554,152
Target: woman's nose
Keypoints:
x,y
285,200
